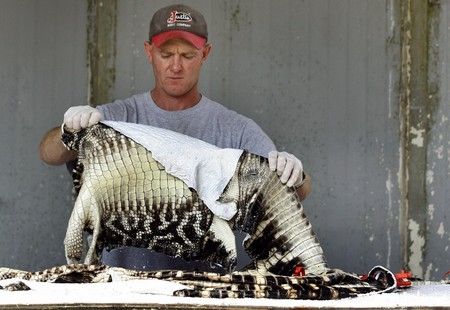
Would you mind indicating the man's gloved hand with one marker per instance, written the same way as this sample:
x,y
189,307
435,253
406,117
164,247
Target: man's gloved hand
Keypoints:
x,y
289,168
82,116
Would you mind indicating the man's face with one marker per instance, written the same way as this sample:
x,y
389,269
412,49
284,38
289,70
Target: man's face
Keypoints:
x,y
176,66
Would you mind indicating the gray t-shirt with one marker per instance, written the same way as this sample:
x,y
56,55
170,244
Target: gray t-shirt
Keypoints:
x,y
208,121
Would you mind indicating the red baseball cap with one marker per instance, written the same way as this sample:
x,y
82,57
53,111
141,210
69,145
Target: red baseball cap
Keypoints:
x,y
178,22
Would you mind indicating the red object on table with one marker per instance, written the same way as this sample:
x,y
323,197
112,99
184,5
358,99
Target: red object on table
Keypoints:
x,y
403,278
299,271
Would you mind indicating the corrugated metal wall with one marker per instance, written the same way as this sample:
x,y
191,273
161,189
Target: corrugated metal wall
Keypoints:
x,y
322,78
42,73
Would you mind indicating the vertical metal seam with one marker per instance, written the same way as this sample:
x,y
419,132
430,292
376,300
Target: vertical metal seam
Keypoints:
x,y
392,83
405,41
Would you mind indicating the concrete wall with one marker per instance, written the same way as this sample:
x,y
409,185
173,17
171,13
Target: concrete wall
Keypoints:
x,y
322,78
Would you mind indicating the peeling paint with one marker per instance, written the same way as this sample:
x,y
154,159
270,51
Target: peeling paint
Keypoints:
x,y
389,187
415,248
441,230
390,91
428,271
402,179
448,159
439,152
418,139
430,177
431,211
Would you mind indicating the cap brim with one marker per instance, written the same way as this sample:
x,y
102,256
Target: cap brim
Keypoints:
x,y
194,39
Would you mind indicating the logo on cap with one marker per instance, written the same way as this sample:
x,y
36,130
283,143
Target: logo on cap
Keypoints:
x,y
176,16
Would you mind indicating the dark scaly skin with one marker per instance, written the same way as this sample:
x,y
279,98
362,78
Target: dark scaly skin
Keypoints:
x,y
75,273
280,235
333,284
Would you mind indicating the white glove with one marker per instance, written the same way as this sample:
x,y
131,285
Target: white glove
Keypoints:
x,y
289,168
81,116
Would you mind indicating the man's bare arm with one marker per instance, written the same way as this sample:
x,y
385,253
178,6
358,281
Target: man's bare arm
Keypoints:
x,y
305,189
52,151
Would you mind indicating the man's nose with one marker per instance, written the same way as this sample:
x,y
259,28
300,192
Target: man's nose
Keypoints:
x,y
176,65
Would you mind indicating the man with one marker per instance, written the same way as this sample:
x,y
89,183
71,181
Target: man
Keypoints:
x,y
176,49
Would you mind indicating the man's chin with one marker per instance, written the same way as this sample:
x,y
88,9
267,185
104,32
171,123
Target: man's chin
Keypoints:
x,y
176,93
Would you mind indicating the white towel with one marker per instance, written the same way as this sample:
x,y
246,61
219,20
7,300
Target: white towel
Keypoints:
x,y
202,166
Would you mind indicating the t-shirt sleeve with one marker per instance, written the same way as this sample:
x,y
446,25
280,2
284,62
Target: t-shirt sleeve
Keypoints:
x,y
115,111
255,140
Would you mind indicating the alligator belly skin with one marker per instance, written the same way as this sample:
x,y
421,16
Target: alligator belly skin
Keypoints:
x,y
125,197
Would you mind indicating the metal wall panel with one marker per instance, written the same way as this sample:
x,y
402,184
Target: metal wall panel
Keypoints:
x,y
42,73
320,77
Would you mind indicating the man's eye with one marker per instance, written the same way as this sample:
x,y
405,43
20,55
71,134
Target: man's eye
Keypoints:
x,y
165,55
189,56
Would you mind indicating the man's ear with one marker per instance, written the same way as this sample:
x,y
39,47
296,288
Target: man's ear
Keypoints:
x,y
206,50
148,47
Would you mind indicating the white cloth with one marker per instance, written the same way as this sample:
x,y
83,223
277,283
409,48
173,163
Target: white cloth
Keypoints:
x,y
202,166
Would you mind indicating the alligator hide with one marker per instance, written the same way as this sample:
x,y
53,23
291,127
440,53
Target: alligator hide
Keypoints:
x,y
333,284
125,197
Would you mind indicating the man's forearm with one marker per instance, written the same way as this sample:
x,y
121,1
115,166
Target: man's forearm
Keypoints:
x,y
305,189
52,151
